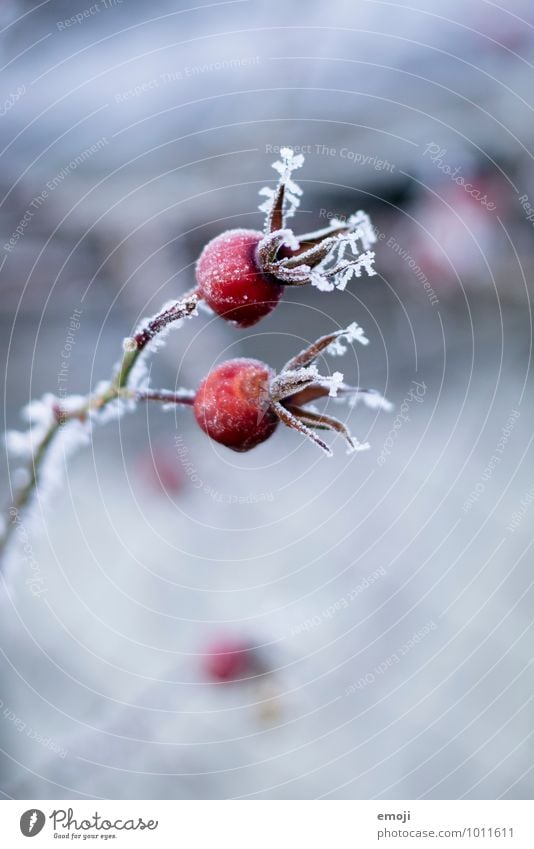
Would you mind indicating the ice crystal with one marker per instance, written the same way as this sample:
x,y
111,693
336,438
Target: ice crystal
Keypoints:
x,y
285,166
129,344
353,333
370,398
44,415
327,277
335,381
357,446
41,416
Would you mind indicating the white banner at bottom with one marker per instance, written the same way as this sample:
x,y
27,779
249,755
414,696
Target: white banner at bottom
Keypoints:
x,y
268,824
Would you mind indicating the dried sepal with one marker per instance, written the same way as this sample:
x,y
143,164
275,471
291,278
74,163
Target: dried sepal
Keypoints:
x,y
300,383
291,381
330,343
291,420
281,202
323,422
271,244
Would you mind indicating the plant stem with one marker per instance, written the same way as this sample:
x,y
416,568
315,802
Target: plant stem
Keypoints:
x,y
117,388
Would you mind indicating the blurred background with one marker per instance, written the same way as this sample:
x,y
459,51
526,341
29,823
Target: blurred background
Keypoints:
x,y
381,603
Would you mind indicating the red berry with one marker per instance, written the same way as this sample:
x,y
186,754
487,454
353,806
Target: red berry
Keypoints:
x,y
231,280
159,469
232,404
228,659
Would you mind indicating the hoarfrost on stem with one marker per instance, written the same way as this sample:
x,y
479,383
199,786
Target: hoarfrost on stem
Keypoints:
x,y
353,333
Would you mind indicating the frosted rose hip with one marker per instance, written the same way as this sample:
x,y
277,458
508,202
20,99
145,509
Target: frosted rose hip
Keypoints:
x,y
231,281
240,403
232,404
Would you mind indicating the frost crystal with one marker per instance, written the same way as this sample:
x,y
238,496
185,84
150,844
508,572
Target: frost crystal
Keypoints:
x,y
357,446
129,344
320,281
289,239
335,381
288,382
371,398
286,189
326,277
353,333
43,416
360,227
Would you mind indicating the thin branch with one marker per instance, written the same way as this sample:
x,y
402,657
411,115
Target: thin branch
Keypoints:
x,y
182,396
116,389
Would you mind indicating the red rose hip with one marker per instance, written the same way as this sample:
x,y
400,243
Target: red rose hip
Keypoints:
x,y
232,404
231,281
228,659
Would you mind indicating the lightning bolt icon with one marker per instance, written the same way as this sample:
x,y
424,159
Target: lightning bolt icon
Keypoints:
x,y
33,820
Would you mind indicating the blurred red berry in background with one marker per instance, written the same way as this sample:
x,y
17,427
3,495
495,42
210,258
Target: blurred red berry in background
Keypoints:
x,y
159,470
229,658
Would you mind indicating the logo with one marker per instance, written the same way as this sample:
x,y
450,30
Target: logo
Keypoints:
x,y
32,822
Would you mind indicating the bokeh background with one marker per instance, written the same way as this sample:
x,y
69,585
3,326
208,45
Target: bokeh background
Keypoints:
x,y
388,594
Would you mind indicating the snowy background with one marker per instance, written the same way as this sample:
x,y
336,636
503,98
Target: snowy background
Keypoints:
x,y
147,553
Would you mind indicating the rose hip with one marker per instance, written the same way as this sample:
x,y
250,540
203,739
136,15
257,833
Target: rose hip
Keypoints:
x,y
228,659
231,280
232,404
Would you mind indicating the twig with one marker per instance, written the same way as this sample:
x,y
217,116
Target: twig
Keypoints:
x,y
117,388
